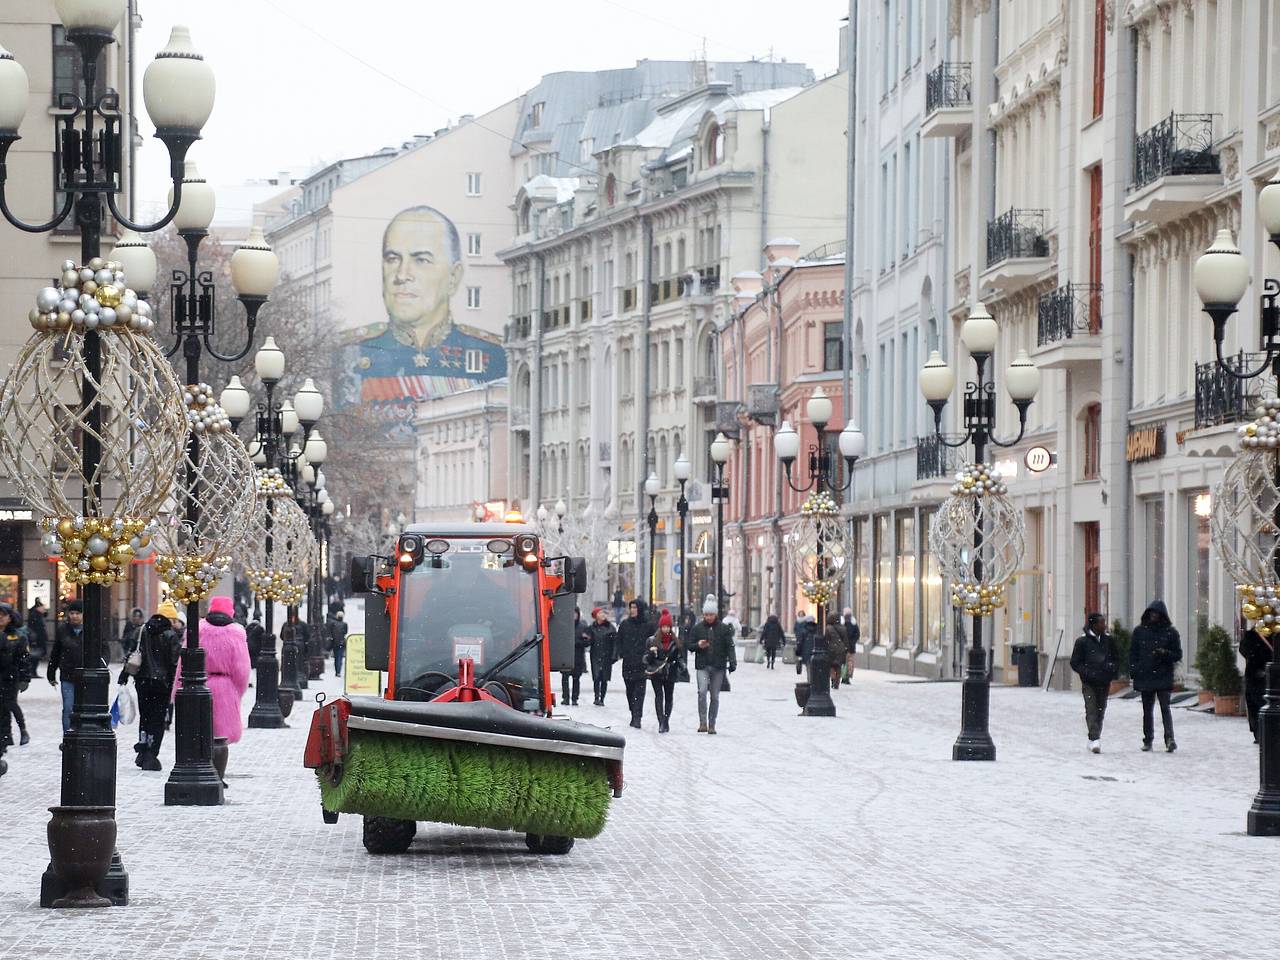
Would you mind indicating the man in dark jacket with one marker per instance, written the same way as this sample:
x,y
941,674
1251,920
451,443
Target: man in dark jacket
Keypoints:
x,y
1155,648
1096,660
37,634
571,680
1258,652
67,657
852,636
153,681
335,627
633,640
601,640
15,674
806,634
771,638
714,657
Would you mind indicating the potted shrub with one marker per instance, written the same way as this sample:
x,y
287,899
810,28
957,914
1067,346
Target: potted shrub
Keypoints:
x,y
1208,660
1123,639
1229,681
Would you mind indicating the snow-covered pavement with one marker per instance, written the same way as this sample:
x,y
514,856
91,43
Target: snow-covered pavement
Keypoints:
x,y
780,837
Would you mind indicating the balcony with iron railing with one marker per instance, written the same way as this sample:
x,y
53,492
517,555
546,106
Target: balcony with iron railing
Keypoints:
x,y
704,389
1018,251
935,460
1069,325
1223,402
629,298
709,278
1175,168
948,100
519,328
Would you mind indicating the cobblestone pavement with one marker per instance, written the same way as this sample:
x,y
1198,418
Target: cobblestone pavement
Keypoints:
x,y
780,837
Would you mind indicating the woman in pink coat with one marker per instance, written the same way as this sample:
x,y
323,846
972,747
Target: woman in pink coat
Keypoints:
x,y
227,663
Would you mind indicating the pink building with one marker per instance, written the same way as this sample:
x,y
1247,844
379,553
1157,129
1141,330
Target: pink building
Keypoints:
x,y
786,329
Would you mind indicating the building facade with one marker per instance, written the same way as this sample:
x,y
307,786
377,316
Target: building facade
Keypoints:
x,y
462,453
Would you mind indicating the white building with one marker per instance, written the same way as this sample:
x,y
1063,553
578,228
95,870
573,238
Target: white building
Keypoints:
x,y
462,453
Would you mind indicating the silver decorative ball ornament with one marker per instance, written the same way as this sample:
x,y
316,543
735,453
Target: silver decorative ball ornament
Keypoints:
x,y
48,299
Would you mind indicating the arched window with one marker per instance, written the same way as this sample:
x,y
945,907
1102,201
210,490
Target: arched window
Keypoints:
x,y
714,145
611,189
526,209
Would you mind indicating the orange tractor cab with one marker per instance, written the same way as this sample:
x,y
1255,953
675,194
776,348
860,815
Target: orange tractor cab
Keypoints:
x,y
468,622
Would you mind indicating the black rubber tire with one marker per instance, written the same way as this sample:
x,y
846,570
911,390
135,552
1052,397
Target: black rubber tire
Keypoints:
x,y
383,835
540,843
329,816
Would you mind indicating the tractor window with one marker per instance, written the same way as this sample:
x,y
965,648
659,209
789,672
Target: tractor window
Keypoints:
x,y
468,602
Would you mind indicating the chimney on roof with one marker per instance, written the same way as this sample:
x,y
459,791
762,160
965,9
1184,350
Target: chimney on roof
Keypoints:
x,y
737,80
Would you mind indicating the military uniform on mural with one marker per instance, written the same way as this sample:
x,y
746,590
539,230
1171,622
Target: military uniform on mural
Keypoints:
x,y
463,357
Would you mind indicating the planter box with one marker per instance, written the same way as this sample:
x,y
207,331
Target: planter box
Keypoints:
x,y
1204,696
1227,706
1118,686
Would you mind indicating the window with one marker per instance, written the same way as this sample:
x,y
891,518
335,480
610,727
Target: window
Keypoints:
x,y
1099,54
474,361
473,244
473,298
832,342
1153,545
68,72
908,198
679,363
1092,440
905,579
536,117
473,184
713,147
611,189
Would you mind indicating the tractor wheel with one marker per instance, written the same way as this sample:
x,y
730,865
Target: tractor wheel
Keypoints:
x,y
540,843
384,835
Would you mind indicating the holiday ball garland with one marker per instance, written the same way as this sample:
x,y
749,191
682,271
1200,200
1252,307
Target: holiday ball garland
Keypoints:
x,y
96,550
1245,504
190,579
819,504
979,480
1264,432
91,297
204,414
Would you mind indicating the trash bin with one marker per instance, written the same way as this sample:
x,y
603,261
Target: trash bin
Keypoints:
x,y
1027,657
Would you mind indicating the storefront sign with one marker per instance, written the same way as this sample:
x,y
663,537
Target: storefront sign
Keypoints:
x,y
1007,468
1038,459
1144,443
357,680
15,515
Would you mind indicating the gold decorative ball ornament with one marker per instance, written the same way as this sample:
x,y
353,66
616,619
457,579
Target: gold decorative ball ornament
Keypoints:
x,y
97,551
88,299
978,501
191,579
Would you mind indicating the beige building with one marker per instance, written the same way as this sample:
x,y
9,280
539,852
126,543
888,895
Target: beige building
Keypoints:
x,y
621,270
462,453
32,32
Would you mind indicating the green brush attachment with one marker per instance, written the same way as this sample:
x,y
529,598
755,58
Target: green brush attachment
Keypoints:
x,y
470,784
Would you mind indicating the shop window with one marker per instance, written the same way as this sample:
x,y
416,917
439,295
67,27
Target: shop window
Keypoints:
x,y
1091,439
905,585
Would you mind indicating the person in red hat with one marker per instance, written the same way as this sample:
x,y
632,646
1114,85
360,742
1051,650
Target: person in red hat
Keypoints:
x,y
662,664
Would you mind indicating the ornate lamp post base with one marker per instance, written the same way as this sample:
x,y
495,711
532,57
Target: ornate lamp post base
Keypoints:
x,y
266,714
193,781
974,742
1264,815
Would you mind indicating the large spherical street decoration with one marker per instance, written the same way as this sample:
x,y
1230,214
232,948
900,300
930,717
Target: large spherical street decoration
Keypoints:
x,y
218,476
281,572
1243,522
819,548
978,501
96,517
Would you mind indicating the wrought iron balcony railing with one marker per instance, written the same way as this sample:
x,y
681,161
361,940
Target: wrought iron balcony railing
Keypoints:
x,y
1220,397
934,459
519,328
948,85
1073,310
1016,234
1180,144
704,386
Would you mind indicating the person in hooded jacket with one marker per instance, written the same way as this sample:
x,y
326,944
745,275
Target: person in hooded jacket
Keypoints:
x,y
633,640
37,634
227,662
837,646
254,636
1153,651
663,661
806,634
601,642
571,680
15,675
1258,652
153,682
1096,659
335,628
772,639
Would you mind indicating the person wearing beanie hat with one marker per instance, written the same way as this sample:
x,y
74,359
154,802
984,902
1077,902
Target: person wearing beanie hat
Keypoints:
x,y
714,658
662,664
67,657
154,673
601,639
227,664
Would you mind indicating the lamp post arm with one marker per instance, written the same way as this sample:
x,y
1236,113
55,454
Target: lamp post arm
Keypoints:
x,y
67,205
1225,366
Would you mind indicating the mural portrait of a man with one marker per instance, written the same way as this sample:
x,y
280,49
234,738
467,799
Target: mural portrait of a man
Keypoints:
x,y
420,352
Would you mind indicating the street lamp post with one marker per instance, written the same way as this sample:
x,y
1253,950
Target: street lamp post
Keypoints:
x,y
178,89
1251,547
822,480
651,488
721,448
682,470
979,334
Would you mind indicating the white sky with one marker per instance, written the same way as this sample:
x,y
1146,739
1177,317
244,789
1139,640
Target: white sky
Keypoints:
x,y
292,89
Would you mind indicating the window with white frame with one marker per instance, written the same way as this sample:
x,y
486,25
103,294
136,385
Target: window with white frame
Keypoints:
x,y
473,184
473,298
473,244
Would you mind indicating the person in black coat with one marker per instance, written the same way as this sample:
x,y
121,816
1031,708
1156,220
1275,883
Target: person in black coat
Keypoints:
x,y
1258,652
633,639
853,635
772,639
15,674
37,634
1096,659
153,679
571,680
601,642
663,662
806,632
66,658
1153,651
335,628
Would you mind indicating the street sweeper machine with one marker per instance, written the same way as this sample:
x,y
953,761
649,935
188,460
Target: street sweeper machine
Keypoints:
x,y
467,622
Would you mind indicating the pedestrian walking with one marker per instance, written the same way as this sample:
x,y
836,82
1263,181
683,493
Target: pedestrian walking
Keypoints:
x,y
837,645
335,626
37,635
714,658
1153,651
601,644
255,635
1258,652
1096,660
153,665
772,639
852,636
67,657
619,605
633,640
806,633
571,680
227,662
15,675
663,664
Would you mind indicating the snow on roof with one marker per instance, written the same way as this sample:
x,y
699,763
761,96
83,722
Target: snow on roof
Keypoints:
x,y
562,188
679,123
